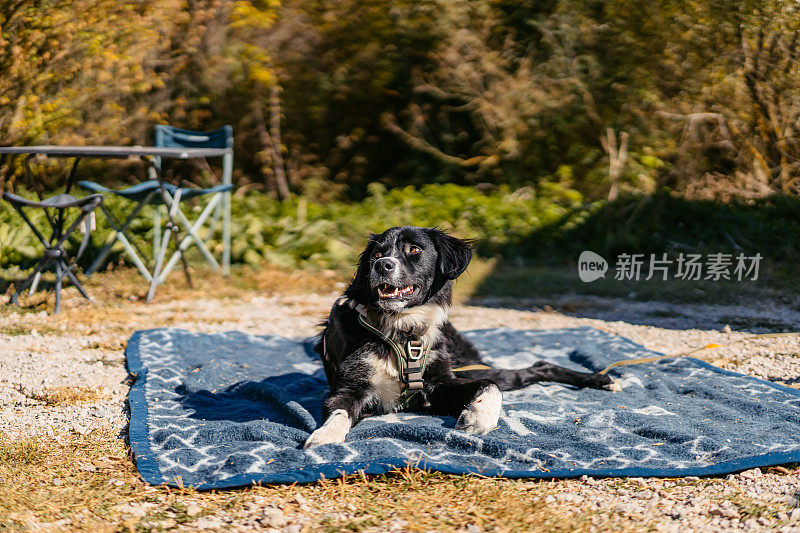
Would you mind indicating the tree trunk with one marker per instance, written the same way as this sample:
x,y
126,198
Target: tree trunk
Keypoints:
x,y
275,134
617,158
266,143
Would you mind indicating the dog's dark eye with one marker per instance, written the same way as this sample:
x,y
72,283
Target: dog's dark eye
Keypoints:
x,y
376,255
412,250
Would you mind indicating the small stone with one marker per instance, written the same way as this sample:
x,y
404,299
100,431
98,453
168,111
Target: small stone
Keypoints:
x,y
726,329
56,481
627,508
691,478
208,522
726,512
136,510
791,500
472,528
273,517
193,509
293,528
753,473
794,514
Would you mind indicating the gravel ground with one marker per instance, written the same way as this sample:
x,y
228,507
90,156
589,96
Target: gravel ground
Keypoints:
x,y
41,353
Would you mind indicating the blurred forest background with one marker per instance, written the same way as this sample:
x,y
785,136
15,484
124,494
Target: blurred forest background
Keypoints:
x,y
620,125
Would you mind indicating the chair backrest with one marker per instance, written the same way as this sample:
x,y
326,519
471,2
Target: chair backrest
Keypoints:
x,y
172,137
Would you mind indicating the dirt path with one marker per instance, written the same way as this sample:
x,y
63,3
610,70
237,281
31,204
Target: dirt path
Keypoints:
x,y
63,387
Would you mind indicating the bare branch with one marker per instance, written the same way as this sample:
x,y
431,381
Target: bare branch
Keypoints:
x,y
389,122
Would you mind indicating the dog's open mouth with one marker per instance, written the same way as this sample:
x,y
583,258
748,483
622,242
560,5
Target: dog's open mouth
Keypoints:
x,y
390,291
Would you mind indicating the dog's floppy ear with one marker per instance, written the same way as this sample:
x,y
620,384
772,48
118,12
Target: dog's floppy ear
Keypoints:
x,y
454,254
359,286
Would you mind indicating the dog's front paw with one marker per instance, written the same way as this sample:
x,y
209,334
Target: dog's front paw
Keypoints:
x,y
334,430
481,415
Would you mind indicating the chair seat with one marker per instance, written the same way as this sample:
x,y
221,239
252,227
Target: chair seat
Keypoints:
x,y
58,201
140,191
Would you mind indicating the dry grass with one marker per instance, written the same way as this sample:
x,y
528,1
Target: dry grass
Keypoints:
x,y
55,396
114,289
89,483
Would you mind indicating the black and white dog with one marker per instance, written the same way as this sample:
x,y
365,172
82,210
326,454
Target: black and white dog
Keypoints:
x,y
388,345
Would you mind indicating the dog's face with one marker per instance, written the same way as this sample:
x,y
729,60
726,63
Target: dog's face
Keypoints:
x,y
408,266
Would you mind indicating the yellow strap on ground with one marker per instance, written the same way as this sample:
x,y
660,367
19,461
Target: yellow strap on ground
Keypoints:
x,y
471,367
642,360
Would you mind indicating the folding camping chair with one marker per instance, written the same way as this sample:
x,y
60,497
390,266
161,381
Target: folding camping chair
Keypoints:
x,y
55,208
160,194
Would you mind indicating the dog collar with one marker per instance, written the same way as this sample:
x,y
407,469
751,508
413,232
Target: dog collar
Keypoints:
x,y
411,357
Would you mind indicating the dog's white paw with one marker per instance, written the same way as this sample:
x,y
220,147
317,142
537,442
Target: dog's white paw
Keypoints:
x,y
333,430
481,415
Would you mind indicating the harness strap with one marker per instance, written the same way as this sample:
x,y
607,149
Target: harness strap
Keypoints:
x,y
411,362
412,359
471,367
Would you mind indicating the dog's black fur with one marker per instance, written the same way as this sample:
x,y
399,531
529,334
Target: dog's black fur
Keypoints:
x,y
360,367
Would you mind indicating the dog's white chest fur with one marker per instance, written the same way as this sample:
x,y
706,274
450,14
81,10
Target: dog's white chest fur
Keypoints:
x,y
426,319
385,381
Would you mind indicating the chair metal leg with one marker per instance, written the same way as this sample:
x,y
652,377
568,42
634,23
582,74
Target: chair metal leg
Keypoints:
x,y
37,270
197,240
156,229
157,270
187,240
173,203
226,233
120,235
59,276
74,279
36,277
171,228
227,177
137,261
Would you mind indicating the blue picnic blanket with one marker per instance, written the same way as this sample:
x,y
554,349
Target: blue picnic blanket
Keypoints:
x,y
232,409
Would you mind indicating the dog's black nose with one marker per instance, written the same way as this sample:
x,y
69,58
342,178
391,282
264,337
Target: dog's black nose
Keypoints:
x,y
385,265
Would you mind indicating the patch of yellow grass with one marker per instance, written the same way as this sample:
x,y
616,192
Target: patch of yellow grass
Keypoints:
x,y
54,396
89,483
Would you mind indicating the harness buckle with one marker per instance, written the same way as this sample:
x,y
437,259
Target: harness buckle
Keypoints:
x,y
415,350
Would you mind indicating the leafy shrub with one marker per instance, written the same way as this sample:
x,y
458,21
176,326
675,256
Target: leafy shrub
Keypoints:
x,y
548,225
666,223
301,233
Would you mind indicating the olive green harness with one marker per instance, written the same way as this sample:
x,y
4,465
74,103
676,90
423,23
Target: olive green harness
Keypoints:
x,y
411,357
